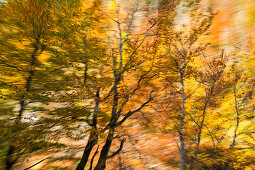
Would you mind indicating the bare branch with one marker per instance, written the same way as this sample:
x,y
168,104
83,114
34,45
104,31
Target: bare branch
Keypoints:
x,y
111,18
147,31
37,163
8,65
130,113
194,120
146,34
118,151
108,95
133,91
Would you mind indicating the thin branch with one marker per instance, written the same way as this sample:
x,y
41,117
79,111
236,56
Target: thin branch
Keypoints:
x,y
108,95
8,65
111,18
210,134
118,151
130,113
194,120
146,34
133,91
147,31
37,163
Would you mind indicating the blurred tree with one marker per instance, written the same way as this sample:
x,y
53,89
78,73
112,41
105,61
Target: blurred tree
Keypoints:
x,y
26,75
180,50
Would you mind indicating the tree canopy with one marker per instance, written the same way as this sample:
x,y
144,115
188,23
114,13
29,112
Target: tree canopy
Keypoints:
x,y
97,84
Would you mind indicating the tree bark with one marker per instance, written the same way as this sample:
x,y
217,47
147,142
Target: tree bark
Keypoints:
x,y
105,150
237,119
30,76
9,161
93,137
27,86
114,117
207,99
92,159
86,61
181,137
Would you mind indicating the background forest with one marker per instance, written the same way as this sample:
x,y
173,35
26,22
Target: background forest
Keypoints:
x,y
127,84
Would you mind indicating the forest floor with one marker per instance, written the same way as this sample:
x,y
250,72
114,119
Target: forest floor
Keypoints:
x,y
142,150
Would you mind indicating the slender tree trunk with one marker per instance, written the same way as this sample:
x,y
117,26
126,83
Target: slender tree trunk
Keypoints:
x,y
237,119
200,128
86,60
30,76
199,134
12,149
181,126
105,150
9,161
93,137
114,117
85,71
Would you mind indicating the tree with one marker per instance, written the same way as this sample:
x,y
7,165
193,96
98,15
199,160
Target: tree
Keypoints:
x,y
209,77
26,32
180,49
84,68
124,61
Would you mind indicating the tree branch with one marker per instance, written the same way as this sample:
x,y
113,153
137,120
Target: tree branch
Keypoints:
x,y
133,91
130,113
36,163
118,151
146,34
8,65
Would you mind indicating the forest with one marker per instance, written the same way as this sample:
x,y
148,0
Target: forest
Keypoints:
x,y
127,84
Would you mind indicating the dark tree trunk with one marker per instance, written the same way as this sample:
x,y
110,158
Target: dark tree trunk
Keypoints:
x,y
105,150
200,127
9,161
85,71
11,149
86,60
92,159
30,76
114,117
93,138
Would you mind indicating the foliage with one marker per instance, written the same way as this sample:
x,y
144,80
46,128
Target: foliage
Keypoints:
x,y
83,68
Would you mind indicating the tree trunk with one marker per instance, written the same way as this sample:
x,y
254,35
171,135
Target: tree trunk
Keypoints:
x,y
9,162
11,149
105,150
207,98
86,61
30,76
237,119
181,137
114,117
93,138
